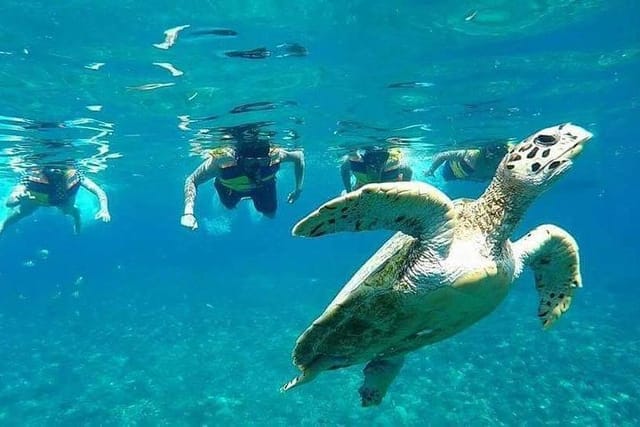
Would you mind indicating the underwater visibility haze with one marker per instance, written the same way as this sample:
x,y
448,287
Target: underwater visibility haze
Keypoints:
x,y
141,321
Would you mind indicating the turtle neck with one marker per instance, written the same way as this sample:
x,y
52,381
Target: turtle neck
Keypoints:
x,y
499,209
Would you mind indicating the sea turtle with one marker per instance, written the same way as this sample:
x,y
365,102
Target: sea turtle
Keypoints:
x,y
449,265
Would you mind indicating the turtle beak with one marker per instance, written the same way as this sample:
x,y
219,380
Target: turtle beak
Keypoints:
x,y
579,135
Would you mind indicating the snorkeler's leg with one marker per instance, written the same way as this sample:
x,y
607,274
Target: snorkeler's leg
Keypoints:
x,y
70,209
265,199
19,212
228,197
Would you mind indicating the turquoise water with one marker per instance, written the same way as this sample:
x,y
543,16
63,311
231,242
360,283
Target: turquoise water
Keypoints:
x,y
141,322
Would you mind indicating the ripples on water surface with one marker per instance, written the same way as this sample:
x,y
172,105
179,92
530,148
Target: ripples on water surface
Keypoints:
x,y
140,323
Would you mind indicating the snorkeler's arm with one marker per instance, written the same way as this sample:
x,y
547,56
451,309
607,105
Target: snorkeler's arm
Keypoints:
x,y
99,192
202,174
406,171
440,158
297,157
16,195
345,173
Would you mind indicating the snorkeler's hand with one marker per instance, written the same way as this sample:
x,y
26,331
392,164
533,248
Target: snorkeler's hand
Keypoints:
x,y
16,198
293,196
189,221
104,215
25,195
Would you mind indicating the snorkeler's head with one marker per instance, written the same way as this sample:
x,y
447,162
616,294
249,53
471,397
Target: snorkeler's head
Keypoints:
x,y
255,147
375,156
251,140
496,150
55,172
252,154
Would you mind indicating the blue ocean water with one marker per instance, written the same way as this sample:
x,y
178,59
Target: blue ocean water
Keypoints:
x,y
142,322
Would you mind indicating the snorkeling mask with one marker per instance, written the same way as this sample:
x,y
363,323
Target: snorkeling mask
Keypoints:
x,y
54,173
253,165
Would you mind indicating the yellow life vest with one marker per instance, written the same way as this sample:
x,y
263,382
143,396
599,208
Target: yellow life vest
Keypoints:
x,y
390,171
461,169
235,177
46,193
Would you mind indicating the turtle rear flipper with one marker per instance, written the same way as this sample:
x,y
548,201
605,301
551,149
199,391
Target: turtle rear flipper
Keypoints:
x,y
414,208
378,376
553,255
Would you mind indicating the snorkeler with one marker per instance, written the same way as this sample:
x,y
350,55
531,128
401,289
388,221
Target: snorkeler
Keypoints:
x,y
374,164
247,170
53,185
477,164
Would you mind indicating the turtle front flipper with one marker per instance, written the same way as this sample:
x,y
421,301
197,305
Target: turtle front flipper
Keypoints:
x,y
414,208
553,255
378,376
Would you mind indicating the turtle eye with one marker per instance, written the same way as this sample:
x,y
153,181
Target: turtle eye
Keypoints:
x,y
546,139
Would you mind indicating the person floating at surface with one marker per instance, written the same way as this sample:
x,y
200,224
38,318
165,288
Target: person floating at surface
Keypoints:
x,y
53,185
374,164
474,164
247,170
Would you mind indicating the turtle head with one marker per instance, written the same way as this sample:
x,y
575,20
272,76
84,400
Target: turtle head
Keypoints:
x,y
544,156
